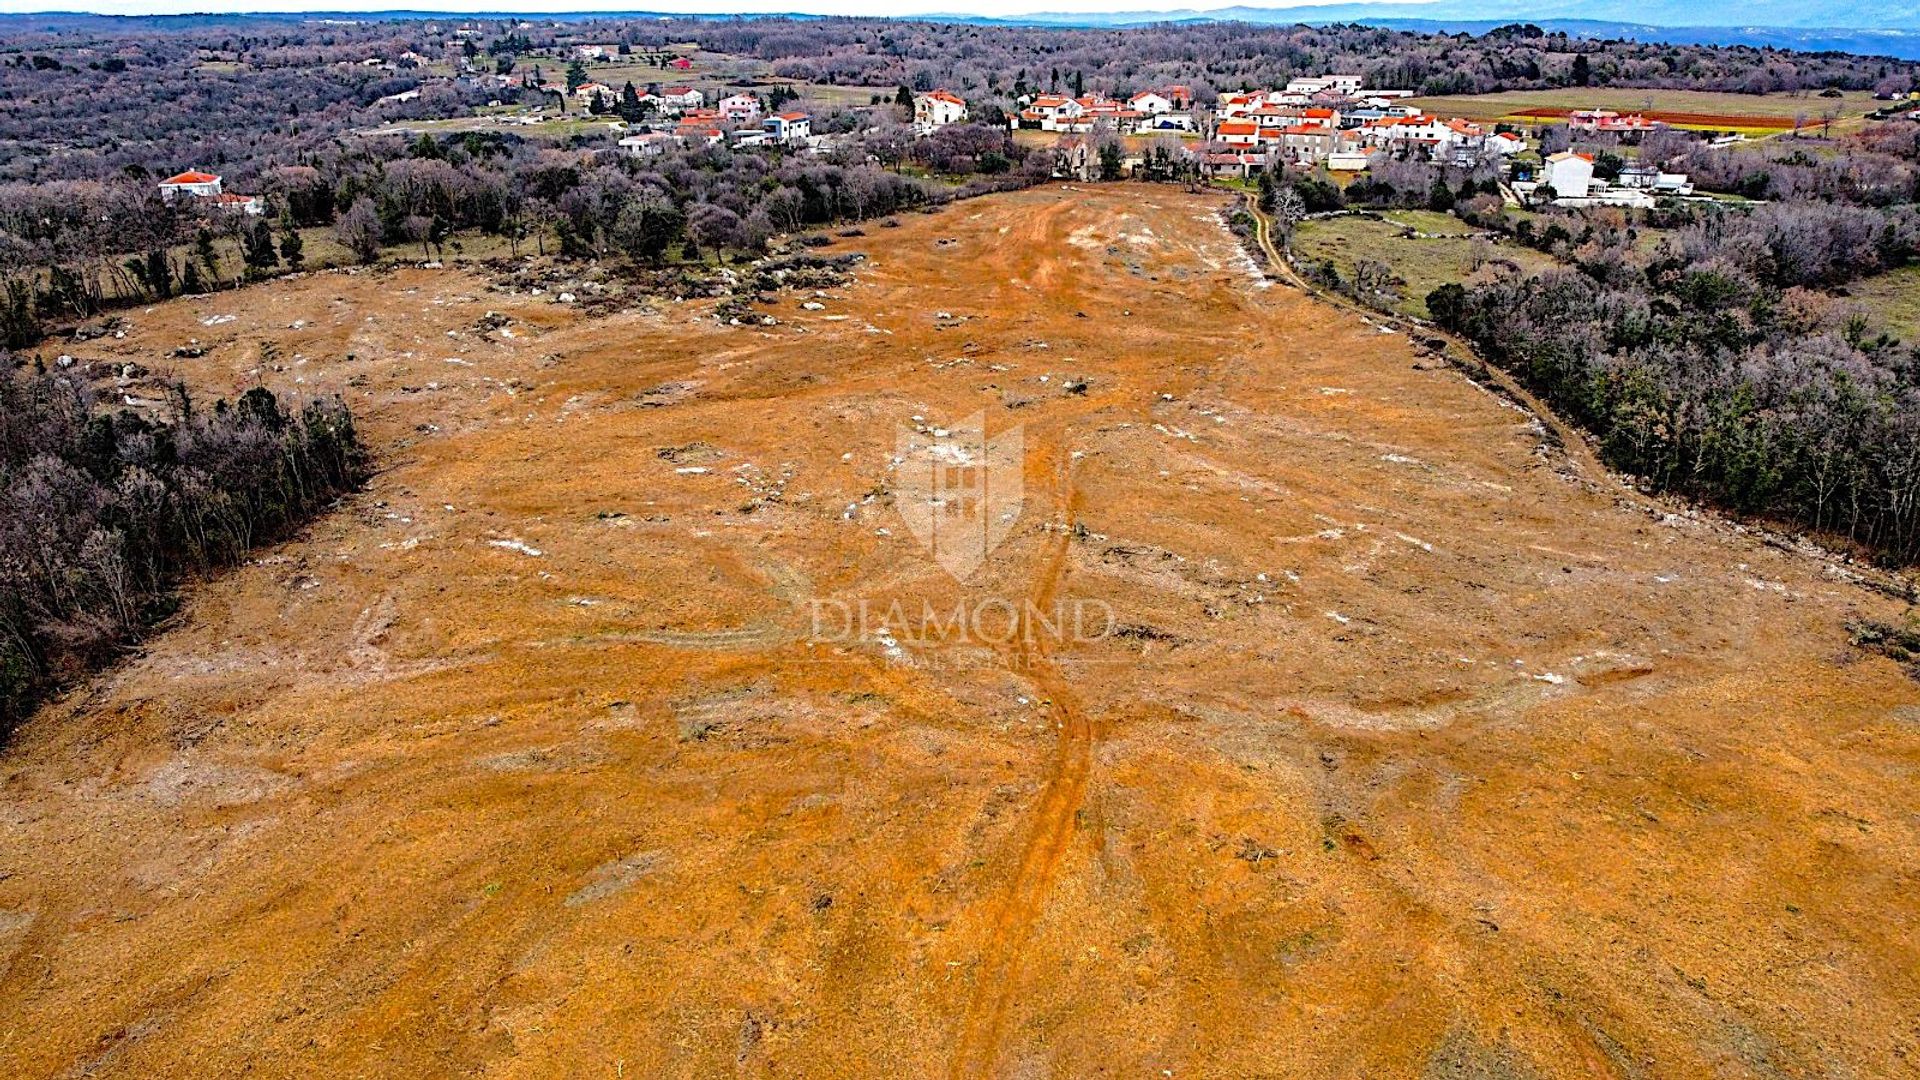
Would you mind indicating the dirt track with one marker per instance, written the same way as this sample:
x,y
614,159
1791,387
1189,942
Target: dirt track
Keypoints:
x,y
1418,752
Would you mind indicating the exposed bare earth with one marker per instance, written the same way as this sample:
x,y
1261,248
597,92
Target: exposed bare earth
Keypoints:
x,y
1424,753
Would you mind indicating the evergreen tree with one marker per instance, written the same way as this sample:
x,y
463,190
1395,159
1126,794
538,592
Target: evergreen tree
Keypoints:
x,y
256,248
159,274
209,258
290,243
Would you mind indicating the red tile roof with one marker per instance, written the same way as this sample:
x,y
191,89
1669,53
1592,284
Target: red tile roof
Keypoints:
x,y
191,177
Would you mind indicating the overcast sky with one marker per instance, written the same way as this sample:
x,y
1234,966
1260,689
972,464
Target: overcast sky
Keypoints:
x,y
811,7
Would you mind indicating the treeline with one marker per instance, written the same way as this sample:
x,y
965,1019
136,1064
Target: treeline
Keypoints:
x,y
103,513
68,250
992,61
1718,363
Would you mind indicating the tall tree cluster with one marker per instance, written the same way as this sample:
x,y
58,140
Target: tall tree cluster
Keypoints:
x,y
1719,363
103,513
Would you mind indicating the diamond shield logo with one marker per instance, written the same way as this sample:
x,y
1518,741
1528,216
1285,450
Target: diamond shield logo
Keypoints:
x,y
959,492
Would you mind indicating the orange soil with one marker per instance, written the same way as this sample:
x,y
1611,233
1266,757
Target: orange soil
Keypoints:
x,y
1427,751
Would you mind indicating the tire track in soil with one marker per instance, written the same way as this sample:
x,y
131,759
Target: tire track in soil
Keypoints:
x,y
1051,832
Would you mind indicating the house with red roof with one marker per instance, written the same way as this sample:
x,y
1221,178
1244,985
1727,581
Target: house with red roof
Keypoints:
x,y
936,110
200,185
1239,133
789,127
191,182
1570,175
682,98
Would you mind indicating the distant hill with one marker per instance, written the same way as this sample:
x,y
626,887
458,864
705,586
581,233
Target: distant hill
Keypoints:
x,y
1900,37
1871,27
1769,15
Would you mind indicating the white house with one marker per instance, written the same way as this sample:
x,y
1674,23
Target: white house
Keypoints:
x,y
1345,84
740,107
1569,174
199,184
1053,112
697,135
683,97
1239,133
587,91
789,127
1169,121
1150,103
647,144
1649,178
937,110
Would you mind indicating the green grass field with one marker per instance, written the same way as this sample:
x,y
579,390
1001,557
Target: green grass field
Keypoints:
x,y
1892,301
1445,251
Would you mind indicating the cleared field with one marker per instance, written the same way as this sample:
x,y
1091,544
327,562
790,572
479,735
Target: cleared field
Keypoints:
x,y
1417,747
1444,249
547,125
1758,114
1134,144
1892,301
718,71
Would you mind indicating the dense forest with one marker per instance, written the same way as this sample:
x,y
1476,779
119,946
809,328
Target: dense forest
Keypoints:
x,y
103,512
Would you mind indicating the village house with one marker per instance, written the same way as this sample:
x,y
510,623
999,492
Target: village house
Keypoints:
x,y
1168,121
1051,112
1306,143
200,185
1150,103
1608,120
1235,106
1340,84
1322,118
1405,136
789,127
1642,176
1570,175
682,98
647,144
1239,133
936,110
699,135
1354,160
1239,163
740,108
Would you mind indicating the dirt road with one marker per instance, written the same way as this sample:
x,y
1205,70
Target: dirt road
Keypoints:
x,y
1409,748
